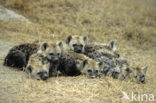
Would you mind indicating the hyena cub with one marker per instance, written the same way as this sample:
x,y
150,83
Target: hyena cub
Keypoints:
x,y
38,67
18,56
44,63
111,62
124,70
52,51
121,69
79,64
103,53
138,74
76,43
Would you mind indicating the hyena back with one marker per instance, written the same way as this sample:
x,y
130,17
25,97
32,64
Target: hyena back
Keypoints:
x,y
97,50
18,56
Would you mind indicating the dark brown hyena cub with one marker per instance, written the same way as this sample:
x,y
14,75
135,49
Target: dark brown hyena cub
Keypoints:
x,y
18,56
74,64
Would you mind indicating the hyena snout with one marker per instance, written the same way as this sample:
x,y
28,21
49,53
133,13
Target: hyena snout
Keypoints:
x,y
43,75
78,48
142,79
115,75
92,74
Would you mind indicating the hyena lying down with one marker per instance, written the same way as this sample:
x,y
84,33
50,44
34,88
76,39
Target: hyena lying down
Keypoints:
x,y
45,62
123,70
52,51
75,64
27,54
38,67
103,53
18,56
112,64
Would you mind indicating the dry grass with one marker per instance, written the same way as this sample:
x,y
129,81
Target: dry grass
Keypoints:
x,y
131,23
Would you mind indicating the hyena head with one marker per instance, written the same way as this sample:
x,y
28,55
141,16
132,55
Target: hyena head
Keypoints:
x,y
140,73
76,43
122,69
38,67
90,68
110,50
121,73
51,50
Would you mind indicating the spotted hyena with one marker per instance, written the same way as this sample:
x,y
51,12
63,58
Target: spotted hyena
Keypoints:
x,y
18,56
112,64
123,70
52,51
38,67
104,53
75,64
139,74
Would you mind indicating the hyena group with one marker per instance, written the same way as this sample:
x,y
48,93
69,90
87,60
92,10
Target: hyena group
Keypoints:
x,y
72,57
114,65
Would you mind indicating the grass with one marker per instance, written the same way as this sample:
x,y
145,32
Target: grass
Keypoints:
x,y
131,23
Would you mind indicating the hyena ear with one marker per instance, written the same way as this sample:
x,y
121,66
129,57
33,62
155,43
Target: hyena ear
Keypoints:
x,y
68,39
44,46
144,70
85,39
112,45
85,62
29,69
60,44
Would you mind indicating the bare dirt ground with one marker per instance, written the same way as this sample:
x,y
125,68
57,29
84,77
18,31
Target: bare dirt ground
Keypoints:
x,y
131,23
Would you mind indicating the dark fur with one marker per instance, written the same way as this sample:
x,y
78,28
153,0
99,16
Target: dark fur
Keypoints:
x,y
92,51
68,66
18,56
53,70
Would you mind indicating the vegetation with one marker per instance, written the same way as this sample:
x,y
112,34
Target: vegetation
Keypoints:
x,y
132,23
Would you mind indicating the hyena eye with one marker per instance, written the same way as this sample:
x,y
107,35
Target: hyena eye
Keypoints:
x,y
74,45
51,54
136,76
96,71
118,55
89,71
41,73
142,76
81,45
